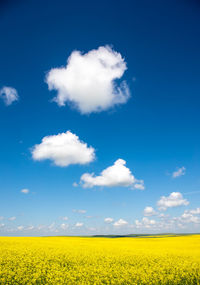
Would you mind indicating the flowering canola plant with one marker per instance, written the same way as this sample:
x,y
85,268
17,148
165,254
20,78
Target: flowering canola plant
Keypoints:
x,y
83,260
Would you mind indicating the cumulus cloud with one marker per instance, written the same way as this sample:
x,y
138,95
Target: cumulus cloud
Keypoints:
x,y
120,223
63,149
149,211
195,211
191,216
88,80
115,175
189,221
138,223
179,172
64,226
78,225
187,217
9,95
25,191
108,220
145,223
175,199
20,228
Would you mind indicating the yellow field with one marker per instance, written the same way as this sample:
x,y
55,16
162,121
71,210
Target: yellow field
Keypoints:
x,y
76,260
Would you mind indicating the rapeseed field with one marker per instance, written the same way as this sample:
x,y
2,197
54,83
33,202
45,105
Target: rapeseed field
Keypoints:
x,y
83,260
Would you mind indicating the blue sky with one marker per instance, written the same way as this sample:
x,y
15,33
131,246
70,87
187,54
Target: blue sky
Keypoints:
x,y
149,118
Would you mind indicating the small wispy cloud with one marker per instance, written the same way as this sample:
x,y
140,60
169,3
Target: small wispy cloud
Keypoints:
x,y
179,172
108,220
79,211
12,218
25,191
9,95
65,218
30,228
78,225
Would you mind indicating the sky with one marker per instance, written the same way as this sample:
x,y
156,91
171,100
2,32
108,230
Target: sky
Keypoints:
x,y
99,117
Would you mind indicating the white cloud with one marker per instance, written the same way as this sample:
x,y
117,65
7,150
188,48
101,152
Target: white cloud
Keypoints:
x,y
20,228
163,216
179,172
191,216
12,218
78,225
65,218
149,211
30,228
64,226
79,211
192,219
25,191
115,175
195,211
88,80
51,227
145,223
138,223
92,229
139,184
41,227
108,220
2,225
1,218
63,149
120,223
9,95
175,199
